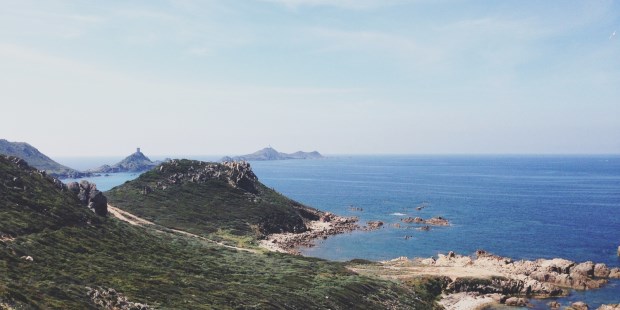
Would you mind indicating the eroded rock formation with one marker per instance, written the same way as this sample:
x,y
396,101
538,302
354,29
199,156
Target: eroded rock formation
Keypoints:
x,y
90,197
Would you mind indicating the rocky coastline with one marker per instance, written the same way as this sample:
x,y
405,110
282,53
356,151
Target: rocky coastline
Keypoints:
x,y
474,282
328,224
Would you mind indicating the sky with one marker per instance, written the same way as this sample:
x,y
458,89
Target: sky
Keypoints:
x,y
100,78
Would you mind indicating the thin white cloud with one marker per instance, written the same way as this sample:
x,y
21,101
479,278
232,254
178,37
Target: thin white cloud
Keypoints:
x,y
347,4
397,45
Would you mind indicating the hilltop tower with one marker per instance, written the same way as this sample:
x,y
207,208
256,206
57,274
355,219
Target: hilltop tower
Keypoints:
x,y
137,150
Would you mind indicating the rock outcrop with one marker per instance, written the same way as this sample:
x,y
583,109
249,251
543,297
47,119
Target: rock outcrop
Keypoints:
x,y
495,274
373,225
236,174
609,307
516,302
90,197
579,305
110,299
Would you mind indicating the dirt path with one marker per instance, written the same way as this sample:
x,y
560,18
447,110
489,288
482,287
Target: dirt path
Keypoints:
x,y
453,272
128,217
138,221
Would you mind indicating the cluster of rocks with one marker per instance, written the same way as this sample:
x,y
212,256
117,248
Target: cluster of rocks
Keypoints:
x,y
16,183
435,221
112,300
580,305
354,208
488,276
90,197
86,192
237,174
328,224
539,278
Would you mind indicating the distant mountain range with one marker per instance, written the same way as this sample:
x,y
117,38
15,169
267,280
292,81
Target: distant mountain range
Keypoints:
x,y
270,153
38,160
136,162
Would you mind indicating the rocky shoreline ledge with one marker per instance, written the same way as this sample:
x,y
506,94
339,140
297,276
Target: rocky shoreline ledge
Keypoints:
x,y
474,282
329,224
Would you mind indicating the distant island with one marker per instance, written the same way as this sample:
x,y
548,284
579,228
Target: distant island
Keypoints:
x,y
39,160
270,153
136,162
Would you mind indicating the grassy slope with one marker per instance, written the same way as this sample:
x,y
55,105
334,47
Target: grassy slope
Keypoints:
x,y
207,208
72,249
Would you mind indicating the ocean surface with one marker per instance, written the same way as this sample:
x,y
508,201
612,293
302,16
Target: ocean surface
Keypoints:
x,y
524,207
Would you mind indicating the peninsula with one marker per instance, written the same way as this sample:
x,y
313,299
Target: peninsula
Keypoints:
x,y
162,255
136,162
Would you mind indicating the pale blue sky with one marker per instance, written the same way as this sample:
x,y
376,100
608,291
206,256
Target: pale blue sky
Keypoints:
x,y
88,78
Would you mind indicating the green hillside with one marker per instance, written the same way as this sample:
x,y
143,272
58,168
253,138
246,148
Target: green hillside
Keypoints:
x,y
211,199
53,252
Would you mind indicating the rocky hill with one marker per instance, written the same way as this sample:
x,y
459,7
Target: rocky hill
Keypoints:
x,y
38,160
136,162
55,253
211,198
270,153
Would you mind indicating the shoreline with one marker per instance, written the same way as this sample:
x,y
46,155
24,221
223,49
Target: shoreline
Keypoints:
x,y
328,225
471,282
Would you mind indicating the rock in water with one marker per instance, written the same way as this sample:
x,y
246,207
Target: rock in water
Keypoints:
x,y
516,302
579,306
601,271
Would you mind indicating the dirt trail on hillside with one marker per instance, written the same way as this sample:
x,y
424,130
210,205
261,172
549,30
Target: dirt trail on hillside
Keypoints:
x,y
402,272
138,221
128,217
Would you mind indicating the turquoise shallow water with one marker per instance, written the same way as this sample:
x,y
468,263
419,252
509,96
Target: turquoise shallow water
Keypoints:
x,y
524,207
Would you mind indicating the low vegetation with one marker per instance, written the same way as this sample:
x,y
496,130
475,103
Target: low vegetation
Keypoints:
x,y
53,252
211,207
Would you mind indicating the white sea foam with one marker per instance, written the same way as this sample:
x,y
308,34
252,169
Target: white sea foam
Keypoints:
x,y
398,214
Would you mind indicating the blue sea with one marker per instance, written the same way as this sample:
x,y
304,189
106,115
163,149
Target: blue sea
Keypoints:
x,y
524,207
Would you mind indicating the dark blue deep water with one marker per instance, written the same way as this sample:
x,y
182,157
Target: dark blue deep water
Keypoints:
x,y
524,207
